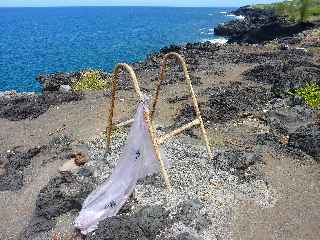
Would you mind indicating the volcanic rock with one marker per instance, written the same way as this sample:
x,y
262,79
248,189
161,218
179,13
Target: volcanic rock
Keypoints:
x,y
307,139
284,76
32,106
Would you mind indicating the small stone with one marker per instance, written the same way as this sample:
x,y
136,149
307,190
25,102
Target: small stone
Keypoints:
x,y
297,100
64,88
284,140
84,172
69,166
80,158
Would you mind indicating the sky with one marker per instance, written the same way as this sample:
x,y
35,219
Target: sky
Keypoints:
x,y
178,3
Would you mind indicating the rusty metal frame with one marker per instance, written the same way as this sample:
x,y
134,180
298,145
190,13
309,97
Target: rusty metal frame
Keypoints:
x,y
196,122
116,71
120,67
148,116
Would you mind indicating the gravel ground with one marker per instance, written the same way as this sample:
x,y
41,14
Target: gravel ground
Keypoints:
x,y
194,178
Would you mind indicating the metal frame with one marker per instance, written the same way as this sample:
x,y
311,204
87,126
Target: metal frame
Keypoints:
x,y
116,71
196,122
148,116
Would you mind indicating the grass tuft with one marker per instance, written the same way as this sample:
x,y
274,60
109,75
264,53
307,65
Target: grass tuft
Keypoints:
x,y
310,93
90,80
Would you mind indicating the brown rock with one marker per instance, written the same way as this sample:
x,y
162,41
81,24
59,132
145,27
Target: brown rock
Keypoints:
x,y
284,140
80,158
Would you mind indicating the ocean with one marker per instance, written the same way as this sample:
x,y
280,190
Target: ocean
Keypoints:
x,y
46,40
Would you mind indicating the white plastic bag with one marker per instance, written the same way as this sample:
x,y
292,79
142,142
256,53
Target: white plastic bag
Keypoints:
x,y
138,160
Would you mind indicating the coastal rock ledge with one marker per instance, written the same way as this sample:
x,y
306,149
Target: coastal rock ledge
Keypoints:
x,y
259,25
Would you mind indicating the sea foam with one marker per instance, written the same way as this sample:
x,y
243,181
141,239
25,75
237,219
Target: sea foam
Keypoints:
x,y
218,41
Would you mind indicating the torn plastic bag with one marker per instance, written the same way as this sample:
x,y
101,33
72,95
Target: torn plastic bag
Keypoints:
x,y
138,160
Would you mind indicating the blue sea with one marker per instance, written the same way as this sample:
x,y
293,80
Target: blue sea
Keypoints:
x,y
45,40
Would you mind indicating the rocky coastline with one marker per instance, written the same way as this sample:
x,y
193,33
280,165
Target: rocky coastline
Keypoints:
x,y
254,123
259,25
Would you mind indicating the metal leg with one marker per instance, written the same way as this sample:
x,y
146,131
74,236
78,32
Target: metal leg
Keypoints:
x,y
182,62
157,149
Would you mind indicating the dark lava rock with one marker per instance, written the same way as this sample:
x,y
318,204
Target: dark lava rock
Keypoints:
x,y
150,222
284,76
267,139
146,224
254,18
271,31
61,195
57,98
52,82
298,125
225,103
66,193
171,48
22,107
259,25
19,108
37,225
244,165
265,57
202,47
198,56
118,228
189,211
233,28
286,120
15,162
307,139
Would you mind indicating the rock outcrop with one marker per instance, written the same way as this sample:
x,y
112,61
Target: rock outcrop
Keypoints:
x,y
259,26
26,106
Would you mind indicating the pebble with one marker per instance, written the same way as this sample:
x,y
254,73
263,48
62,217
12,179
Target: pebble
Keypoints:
x,y
65,88
69,166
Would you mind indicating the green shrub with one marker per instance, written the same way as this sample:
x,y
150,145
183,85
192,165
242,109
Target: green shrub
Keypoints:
x,y
272,45
295,10
302,9
310,94
90,80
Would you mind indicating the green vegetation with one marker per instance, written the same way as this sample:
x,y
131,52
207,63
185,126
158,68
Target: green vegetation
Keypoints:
x,y
314,50
310,94
90,80
295,10
272,45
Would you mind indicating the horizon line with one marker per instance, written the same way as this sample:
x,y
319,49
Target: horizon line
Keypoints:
x,y
119,6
